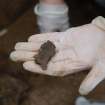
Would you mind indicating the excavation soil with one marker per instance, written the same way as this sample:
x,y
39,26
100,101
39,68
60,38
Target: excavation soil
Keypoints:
x,y
20,87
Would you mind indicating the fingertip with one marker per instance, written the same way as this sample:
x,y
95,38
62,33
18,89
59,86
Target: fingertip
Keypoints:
x,y
13,56
22,55
30,38
83,90
18,45
28,64
31,66
25,66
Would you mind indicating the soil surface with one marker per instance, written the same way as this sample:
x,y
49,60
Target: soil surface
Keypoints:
x,y
12,90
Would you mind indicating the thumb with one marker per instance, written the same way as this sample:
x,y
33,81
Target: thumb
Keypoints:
x,y
99,21
96,75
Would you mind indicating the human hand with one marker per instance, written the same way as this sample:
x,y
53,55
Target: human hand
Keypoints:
x,y
78,48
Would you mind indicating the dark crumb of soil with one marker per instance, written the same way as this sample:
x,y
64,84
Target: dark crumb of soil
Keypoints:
x,y
46,52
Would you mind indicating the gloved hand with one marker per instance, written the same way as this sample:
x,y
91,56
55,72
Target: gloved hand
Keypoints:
x,y
78,48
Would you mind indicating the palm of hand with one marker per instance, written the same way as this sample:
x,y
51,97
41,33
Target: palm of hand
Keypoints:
x,y
77,49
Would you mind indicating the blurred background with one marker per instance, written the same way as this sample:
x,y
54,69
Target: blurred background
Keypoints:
x,y
20,87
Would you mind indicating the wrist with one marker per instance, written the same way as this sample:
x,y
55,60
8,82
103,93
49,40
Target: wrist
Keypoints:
x,y
55,2
43,9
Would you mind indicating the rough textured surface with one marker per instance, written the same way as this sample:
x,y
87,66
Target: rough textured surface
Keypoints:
x,y
11,90
46,52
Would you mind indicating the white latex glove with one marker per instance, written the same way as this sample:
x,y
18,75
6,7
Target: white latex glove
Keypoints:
x,y
78,48
52,18
84,101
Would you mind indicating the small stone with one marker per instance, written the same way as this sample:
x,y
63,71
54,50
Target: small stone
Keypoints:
x,y
46,52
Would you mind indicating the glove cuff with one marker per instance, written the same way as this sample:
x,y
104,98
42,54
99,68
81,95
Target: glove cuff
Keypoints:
x,y
52,17
43,9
